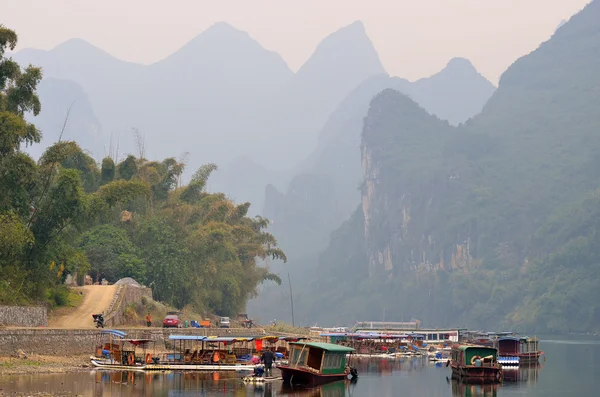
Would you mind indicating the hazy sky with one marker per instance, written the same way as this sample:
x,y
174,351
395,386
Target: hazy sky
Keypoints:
x,y
414,38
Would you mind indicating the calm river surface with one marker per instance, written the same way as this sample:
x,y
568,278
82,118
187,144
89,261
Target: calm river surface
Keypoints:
x,y
571,368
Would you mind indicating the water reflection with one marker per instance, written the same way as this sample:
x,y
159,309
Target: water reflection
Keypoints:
x,y
172,384
469,390
412,377
387,367
514,377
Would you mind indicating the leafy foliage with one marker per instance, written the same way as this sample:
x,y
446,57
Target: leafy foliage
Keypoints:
x,y
64,215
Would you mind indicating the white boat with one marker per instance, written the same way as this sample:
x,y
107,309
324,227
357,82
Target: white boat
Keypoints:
x,y
111,364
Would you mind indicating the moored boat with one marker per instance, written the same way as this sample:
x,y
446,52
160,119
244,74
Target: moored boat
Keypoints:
x,y
515,350
312,364
117,352
475,363
529,352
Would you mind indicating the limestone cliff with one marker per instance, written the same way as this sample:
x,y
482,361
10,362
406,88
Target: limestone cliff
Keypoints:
x,y
405,184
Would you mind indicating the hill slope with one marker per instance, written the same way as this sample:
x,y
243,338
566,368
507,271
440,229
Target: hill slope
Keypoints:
x,y
325,188
492,224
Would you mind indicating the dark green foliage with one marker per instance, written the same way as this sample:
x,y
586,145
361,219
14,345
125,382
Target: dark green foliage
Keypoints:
x,y
127,168
122,192
110,253
107,173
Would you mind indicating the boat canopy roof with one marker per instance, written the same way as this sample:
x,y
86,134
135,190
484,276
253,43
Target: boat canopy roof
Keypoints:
x,y
478,347
268,337
187,337
213,338
330,347
370,335
513,338
292,338
223,339
113,332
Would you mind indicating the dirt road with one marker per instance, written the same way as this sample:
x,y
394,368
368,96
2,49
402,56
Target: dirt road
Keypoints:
x,y
96,299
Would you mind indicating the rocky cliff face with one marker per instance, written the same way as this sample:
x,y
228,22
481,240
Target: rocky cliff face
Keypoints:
x,y
495,223
402,199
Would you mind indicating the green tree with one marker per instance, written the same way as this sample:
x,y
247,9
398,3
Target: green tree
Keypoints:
x,y
127,168
111,254
108,171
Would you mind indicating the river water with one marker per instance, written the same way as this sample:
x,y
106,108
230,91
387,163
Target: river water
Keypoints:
x,y
569,368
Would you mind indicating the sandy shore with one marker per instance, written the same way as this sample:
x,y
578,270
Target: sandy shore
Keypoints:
x,y
39,364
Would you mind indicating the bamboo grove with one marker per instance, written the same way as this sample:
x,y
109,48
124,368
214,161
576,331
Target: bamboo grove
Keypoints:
x,y
65,214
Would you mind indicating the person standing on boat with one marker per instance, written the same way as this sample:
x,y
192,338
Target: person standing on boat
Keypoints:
x,y
148,320
268,357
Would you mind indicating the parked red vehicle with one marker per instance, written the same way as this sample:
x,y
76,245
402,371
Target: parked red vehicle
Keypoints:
x,y
172,321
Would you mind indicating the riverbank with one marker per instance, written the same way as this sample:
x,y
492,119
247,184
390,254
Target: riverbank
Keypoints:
x,y
61,342
43,364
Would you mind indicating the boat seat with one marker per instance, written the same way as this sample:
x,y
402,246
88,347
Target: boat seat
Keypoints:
x,y
230,359
205,357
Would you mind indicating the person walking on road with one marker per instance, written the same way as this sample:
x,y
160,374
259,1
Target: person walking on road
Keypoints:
x,y
268,357
148,320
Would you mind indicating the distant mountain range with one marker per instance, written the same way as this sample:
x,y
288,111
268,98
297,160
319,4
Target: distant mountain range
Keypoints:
x,y
65,104
494,224
223,97
455,93
326,188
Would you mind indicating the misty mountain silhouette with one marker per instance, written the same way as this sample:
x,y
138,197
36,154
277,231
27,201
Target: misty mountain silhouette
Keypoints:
x,y
492,223
339,64
456,93
59,97
198,97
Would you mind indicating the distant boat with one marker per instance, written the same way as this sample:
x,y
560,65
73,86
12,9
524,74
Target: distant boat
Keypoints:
x,y
475,363
515,350
312,364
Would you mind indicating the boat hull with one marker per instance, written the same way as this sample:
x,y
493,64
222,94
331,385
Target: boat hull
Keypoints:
x,y
472,373
298,376
530,358
107,364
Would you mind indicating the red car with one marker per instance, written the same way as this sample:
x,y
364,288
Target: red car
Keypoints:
x,y
172,321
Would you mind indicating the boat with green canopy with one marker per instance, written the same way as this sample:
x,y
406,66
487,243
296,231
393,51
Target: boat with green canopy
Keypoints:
x,y
313,363
475,363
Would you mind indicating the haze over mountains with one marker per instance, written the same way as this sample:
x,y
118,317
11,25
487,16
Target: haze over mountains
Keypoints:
x,y
225,99
458,203
491,224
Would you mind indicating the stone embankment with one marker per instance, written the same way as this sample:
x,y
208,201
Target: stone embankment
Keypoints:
x,y
70,342
126,294
24,316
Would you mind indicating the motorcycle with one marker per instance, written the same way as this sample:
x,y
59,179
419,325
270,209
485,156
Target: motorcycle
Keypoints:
x,y
99,320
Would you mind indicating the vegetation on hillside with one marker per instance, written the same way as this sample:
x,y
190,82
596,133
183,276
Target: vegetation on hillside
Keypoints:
x,y
67,215
491,224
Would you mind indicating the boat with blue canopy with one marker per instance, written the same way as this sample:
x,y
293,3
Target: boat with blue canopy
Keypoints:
x,y
187,352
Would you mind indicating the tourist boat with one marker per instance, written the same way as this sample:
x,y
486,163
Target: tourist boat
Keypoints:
x,y
116,352
313,363
380,345
515,350
475,363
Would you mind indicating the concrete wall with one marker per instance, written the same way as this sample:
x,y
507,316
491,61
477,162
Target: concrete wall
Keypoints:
x,y
48,341
24,316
